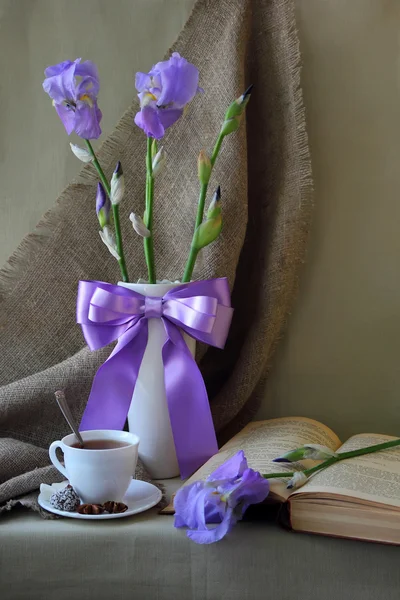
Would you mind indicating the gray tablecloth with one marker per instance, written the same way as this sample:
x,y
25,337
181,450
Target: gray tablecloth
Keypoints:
x,y
144,557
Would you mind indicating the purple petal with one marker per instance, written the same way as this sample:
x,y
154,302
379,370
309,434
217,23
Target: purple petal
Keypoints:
x,y
251,489
214,512
87,69
179,521
157,68
185,504
99,115
233,467
168,116
156,91
62,86
179,83
87,121
57,69
142,81
208,536
148,120
89,86
156,79
199,508
67,116
165,64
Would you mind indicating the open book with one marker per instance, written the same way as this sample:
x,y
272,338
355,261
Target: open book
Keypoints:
x,y
355,498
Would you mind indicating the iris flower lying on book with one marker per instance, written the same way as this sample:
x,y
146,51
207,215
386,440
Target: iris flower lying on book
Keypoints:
x,y
222,499
163,94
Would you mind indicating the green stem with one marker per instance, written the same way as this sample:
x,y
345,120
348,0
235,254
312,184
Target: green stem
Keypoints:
x,y
199,217
338,458
187,275
217,148
118,241
115,209
193,250
148,242
98,168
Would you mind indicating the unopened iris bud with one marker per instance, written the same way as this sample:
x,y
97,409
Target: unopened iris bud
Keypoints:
x,y
318,452
139,226
215,205
117,185
297,481
204,167
208,231
81,153
308,451
158,161
234,113
237,107
153,148
103,206
108,239
230,126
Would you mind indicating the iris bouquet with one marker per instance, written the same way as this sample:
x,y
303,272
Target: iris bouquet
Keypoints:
x,y
129,316
163,94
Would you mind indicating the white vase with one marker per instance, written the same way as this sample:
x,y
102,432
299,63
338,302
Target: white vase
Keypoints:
x,y
148,415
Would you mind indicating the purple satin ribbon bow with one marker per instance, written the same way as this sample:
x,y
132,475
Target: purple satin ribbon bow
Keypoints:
x,y
108,313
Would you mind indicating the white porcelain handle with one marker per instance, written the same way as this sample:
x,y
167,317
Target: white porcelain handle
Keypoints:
x,y
54,459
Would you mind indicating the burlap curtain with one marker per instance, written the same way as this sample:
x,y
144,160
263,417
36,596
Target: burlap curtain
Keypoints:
x,y
264,172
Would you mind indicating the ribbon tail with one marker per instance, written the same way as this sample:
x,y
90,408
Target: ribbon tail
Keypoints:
x,y
114,383
189,409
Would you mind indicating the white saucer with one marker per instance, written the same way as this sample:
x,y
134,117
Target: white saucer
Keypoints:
x,y
139,497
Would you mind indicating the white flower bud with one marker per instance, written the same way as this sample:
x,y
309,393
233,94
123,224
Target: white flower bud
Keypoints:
x,y
117,185
81,153
109,240
139,226
158,161
297,480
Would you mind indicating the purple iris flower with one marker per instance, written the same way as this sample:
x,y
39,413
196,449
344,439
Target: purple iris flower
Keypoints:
x,y
73,87
221,500
163,94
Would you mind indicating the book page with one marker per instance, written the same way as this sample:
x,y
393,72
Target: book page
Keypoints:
x,y
263,441
372,477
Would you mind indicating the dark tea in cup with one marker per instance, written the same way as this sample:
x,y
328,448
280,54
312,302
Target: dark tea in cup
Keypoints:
x,y
101,445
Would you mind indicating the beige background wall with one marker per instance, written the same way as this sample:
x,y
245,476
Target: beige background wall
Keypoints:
x,y
340,358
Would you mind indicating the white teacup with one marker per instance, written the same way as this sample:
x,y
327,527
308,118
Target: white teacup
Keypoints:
x,y
98,475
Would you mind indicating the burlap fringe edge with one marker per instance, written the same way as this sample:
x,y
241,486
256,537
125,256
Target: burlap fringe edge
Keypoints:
x,y
257,391
306,188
